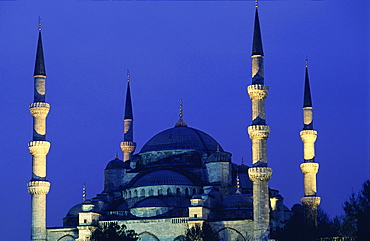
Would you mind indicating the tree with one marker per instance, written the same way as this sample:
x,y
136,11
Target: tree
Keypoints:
x,y
200,233
113,232
356,221
298,230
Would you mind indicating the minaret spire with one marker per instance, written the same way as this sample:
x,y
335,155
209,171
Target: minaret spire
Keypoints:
x,y
128,145
38,187
258,132
309,168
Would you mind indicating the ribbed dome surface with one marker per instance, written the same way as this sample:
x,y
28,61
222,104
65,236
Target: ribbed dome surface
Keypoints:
x,y
243,169
181,137
219,157
74,210
151,202
116,164
162,177
238,201
245,182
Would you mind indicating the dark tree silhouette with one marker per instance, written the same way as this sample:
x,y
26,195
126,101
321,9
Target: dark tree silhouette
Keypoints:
x,y
200,233
356,221
298,230
113,232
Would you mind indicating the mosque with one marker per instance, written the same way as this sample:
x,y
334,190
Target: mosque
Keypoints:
x,y
180,177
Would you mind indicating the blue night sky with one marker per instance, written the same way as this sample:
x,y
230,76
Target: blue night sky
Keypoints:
x,y
195,51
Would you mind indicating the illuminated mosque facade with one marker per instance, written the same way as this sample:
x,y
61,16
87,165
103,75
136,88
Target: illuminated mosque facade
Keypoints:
x,y
180,177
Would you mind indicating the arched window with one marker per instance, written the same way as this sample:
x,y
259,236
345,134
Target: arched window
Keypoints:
x,y
151,192
142,193
135,193
169,192
129,194
194,191
160,192
187,192
178,192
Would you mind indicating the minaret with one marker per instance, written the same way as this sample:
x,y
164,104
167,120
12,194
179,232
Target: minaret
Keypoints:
x,y
258,132
309,168
128,145
38,187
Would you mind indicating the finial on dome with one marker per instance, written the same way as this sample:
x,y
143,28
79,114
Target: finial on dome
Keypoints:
x,y
128,75
40,24
243,161
181,122
218,148
256,3
237,185
84,193
181,109
307,61
116,157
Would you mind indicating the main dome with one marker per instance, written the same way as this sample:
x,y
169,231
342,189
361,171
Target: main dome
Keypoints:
x,y
181,137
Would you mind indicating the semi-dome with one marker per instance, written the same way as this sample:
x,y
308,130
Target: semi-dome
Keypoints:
x,y
162,177
239,201
150,202
181,137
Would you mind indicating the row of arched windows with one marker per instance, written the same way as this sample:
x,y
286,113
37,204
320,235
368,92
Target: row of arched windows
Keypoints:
x,y
152,191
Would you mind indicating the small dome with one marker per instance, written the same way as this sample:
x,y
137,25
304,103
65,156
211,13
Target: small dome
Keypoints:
x,y
163,177
150,202
116,164
245,182
74,210
219,157
240,201
243,169
179,138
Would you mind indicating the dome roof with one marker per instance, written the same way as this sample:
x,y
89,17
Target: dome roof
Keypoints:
x,y
238,201
150,202
181,137
243,169
245,182
116,164
162,177
74,210
219,157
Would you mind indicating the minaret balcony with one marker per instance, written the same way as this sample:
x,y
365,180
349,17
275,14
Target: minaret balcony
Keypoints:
x,y
39,147
260,173
38,187
258,92
309,167
311,201
308,135
128,146
39,109
259,131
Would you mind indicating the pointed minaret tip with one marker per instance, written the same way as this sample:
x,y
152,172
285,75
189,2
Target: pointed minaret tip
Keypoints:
x,y
257,39
39,64
128,106
307,101
181,122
